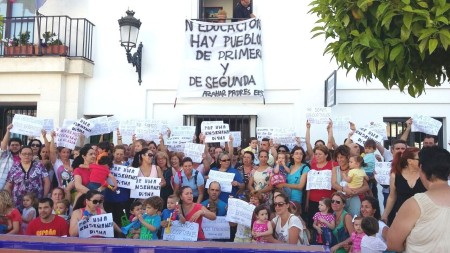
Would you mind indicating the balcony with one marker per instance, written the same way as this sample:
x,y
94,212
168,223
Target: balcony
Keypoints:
x,y
40,35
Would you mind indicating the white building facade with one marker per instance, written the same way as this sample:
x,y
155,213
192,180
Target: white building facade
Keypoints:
x,y
294,73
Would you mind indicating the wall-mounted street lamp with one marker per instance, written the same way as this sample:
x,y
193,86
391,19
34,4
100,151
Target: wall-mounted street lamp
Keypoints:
x,y
129,32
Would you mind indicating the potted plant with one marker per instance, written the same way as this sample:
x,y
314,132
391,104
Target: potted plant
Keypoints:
x,y
53,45
25,47
11,46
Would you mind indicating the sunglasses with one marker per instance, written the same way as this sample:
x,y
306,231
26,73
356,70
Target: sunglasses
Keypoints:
x,y
35,145
97,202
279,204
149,154
335,201
225,160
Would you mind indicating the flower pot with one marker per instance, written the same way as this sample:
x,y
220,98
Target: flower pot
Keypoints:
x,y
19,50
53,50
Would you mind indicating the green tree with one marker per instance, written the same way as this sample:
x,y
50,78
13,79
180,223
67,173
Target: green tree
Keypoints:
x,y
400,42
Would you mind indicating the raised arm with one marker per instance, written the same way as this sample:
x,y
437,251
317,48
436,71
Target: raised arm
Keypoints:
x,y
309,149
53,150
331,144
4,144
119,137
405,133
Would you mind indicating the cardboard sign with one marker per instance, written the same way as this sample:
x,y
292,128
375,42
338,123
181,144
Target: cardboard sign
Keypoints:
x,y
223,178
222,60
82,126
362,134
183,131
67,138
240,212
264,132
100,126
177,143
216,229
425,124
194,151
98,225
382,172
126,176
319,180
182,232
146,187
27,125
284,137
215,131
378,127
237,140
318,115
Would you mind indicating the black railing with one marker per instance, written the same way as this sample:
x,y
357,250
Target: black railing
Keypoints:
x,y
47,35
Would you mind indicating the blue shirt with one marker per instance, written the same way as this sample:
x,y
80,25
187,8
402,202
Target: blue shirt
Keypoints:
x,y
190,182
146,234
237,177
221,207
370,160
296,195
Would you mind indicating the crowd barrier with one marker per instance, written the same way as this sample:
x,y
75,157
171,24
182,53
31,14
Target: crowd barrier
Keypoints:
x,y
28,244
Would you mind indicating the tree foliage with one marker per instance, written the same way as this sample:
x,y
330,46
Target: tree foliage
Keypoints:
x,y
400,42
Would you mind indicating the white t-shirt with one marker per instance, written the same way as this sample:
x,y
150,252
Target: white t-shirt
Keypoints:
x,y
283,232
379,235
372,244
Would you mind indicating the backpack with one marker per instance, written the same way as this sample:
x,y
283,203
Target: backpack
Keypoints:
x,y
180,178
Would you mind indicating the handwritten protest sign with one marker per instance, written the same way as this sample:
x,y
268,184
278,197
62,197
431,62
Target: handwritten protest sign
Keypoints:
x,y
215,131
240,212
127,127
82,126
341,123
284,137
67,138
48,125
146,187
361,135
182,232
176,143
236,138
27,125
126,176
98,225
378,127
319,179
223,178
216,229
222,59
194,151
264,132
318,115
183,131
425,124
100,126
382,172
67,123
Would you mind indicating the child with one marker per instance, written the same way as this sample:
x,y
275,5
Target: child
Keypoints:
x,y
168,214
99,174
356,235
262,226
62,209
135,211
369,159
280,170
356,176
244,233
370,243
29,212
324,222
8,214
151,221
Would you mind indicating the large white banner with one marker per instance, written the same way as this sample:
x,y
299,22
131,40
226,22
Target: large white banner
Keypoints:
x,y
222,59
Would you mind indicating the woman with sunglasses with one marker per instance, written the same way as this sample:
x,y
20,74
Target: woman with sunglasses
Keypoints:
x,y
288,227
344,225
27,176
237,183
36,146
88,204
143,160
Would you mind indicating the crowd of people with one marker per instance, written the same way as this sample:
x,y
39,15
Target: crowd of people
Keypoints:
x,y
48,190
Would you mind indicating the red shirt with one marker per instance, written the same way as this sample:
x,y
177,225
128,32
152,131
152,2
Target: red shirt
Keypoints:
x,y
316,195
13,216
57,227
84,174
197,207
99,173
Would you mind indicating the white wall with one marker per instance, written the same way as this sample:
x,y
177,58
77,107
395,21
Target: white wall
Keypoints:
x,y
294,67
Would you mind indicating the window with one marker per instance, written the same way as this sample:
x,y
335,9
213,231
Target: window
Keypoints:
x,y
208,8
396,126
14,21
7,115
242,123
